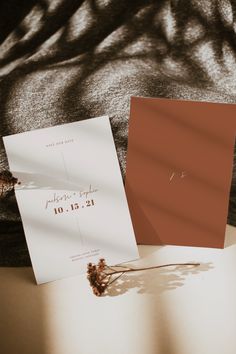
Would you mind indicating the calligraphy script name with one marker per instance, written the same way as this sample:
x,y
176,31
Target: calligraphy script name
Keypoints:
x,y
66,196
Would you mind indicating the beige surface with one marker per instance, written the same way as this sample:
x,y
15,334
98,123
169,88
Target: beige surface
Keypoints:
x,y
161,312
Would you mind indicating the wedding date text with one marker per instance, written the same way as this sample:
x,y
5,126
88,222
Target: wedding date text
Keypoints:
x,y
74,207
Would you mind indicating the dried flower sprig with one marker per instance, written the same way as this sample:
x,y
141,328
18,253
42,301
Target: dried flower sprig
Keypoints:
x,y
100,276
7,182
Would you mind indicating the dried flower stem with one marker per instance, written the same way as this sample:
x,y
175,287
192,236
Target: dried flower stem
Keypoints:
x,y
100,275
148,268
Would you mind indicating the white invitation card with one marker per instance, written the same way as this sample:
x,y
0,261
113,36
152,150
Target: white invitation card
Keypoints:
x,y
71,197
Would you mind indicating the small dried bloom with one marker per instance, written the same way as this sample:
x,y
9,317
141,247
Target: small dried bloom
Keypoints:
x,y
7,182
101,264
97,278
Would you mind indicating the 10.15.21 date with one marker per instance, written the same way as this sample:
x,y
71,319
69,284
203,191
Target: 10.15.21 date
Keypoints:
x,y
74,206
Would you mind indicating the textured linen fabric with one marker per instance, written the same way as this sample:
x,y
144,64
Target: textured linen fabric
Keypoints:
x,y
63,61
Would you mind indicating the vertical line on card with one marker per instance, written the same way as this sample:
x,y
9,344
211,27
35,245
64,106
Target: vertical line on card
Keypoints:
x,y
65,168
78,227
75,216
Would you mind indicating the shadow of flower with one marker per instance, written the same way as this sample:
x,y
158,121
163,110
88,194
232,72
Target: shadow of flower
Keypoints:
x,y
155,281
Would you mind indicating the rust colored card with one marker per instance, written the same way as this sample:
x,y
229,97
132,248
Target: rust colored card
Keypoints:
x,y
179,170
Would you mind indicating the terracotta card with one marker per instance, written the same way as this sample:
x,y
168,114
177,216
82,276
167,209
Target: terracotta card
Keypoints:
x,y
179,170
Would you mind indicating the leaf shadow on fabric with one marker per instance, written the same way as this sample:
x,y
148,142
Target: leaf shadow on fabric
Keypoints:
x,y
159,43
